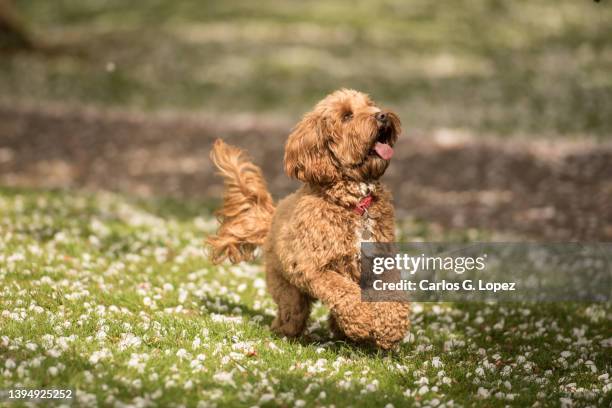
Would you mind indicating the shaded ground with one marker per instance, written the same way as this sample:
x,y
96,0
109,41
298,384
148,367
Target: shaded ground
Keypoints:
x,y
491,66
554,191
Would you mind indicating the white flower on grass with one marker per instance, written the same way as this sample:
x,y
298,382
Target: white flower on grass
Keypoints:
x,y
317,367
196,365
236,356
436,362
311,387
9,364
259,283
266,398
246,347
62,342
182,295
408,338
592,366
505,372
273,346
300,403
483,393
97,356
422,381
423,390
219,318
196,343
224,378
451,344
182,353
135,362
161,254
99,228
372,387
129,340
53,371
85,399
89,377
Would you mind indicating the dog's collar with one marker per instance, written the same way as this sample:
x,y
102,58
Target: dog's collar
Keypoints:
x,y
363,205
354,196
366,190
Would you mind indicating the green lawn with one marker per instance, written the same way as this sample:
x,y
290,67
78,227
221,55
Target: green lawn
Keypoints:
x,y
485,66
114,297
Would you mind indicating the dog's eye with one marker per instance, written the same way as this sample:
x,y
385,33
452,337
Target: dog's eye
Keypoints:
x,y
347,116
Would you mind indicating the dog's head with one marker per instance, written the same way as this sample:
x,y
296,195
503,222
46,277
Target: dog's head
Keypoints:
x,y
346,136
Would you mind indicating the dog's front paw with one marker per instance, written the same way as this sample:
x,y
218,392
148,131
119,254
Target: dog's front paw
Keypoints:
x,y
391,323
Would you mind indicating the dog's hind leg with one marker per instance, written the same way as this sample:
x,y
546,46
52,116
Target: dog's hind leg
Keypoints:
x,y
332,322
293,305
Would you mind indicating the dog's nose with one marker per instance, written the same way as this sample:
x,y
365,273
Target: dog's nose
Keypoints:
x,y
382,117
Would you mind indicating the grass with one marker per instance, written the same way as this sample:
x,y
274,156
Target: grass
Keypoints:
x,y
115,297
487,66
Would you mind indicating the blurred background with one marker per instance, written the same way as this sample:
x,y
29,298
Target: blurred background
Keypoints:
x,y
505,105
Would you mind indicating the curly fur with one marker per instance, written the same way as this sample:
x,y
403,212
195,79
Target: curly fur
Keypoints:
x,y
311,241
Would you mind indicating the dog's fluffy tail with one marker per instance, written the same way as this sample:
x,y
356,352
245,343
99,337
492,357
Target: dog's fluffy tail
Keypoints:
x,y
247,209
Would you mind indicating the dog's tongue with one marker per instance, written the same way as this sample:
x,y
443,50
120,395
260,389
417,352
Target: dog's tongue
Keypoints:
x,y
383,150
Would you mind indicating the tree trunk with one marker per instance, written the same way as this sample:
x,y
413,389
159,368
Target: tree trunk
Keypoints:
x,y
13,33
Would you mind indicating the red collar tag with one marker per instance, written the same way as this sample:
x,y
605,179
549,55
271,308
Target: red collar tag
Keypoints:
x,y
363,204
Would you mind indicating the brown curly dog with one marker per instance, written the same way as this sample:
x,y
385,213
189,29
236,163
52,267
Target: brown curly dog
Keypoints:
x,y
311,240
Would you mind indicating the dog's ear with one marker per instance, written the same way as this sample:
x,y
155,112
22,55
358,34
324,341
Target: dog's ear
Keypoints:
x,y
307,157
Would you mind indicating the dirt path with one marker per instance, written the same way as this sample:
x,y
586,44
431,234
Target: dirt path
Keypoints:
x,y
557,191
